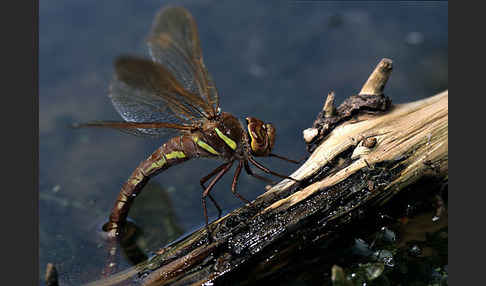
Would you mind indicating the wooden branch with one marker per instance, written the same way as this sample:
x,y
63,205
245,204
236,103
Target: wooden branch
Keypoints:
x,y
377,80
370,99
360,163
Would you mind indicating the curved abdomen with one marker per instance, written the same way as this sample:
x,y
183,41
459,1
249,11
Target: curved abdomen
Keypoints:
x,y
174,151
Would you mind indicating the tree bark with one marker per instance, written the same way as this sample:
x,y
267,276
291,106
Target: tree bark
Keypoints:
x,y
364,152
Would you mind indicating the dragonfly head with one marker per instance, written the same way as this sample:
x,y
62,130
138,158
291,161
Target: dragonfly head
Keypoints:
x,y
262,136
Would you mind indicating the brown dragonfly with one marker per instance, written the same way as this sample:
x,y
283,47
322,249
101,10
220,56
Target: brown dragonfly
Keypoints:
x,y
173,94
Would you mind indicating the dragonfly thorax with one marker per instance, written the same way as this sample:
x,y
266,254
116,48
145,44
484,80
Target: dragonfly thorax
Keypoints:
x,y
262,136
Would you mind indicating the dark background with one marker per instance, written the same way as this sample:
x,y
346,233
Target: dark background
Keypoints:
x,y
275,61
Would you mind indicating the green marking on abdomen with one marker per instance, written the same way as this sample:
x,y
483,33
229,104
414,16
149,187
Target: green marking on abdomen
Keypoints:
x,y
175,155
163,160
157,164
226,139
205,146
138,178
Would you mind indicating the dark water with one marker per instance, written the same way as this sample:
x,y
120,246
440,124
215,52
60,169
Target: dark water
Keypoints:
x,y
272,61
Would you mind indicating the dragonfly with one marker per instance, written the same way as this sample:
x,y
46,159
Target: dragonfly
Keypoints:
x,y
172,94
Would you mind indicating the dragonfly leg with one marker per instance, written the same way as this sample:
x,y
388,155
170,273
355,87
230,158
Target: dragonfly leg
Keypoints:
x,y
235,181
205,179
266,170
222,170
250,172
284,158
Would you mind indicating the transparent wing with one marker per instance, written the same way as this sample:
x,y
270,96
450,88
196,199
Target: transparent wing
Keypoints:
x,y
174,43
155,130
144,91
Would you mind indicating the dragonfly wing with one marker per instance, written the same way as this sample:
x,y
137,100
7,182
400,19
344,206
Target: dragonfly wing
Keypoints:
x,y
174,43
155,130
174,87
139,105
144,91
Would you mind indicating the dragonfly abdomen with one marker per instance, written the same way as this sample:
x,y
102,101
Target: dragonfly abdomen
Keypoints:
x,y
176,150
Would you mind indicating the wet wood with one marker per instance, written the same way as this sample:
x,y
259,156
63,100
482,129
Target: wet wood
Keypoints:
x,y
359,163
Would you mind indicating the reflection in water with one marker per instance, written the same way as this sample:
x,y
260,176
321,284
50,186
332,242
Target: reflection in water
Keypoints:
x,y
155,217
153,225
156,225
